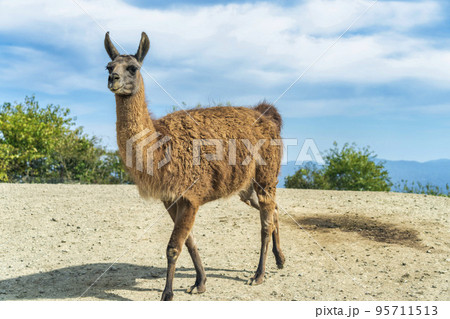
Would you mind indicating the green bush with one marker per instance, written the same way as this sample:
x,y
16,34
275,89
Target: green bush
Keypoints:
x,y
350,168
346,168
42,144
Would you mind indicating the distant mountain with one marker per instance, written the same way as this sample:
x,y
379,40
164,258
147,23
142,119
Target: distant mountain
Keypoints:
x,y
436,172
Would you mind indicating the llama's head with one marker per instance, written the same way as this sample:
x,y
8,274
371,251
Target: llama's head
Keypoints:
x,y
124,70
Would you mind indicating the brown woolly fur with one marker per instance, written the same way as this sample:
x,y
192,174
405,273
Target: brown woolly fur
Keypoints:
x,y
182,184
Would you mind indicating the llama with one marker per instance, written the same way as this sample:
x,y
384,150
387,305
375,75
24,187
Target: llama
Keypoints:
x,y
183,186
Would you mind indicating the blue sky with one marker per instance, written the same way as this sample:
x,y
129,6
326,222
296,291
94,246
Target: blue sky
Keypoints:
x,y
386,83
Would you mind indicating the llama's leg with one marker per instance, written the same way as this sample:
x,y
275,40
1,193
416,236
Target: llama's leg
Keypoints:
x,y
199,286
267,204
249,197
184,221
279,257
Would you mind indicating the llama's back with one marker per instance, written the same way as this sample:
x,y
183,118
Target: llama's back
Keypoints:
x,y
263,121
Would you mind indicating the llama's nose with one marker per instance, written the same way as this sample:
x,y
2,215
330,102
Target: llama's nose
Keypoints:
x,y
114,76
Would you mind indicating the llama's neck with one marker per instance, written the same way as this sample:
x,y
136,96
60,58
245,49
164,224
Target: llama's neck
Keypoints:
x,y
132,116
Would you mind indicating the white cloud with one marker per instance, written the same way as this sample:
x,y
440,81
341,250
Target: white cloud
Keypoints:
x,y
339,107
260,45
41,71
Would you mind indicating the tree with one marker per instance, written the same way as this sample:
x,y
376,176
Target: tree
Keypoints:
x,y
42,144
350,168
346,168
29,135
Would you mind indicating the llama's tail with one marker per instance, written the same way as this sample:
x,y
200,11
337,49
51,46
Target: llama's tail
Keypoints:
x,y
270,111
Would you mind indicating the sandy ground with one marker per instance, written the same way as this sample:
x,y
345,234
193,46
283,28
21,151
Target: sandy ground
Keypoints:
x,y
56,240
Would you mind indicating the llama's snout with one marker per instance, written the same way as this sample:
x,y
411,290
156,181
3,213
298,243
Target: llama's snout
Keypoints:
x,y
114,82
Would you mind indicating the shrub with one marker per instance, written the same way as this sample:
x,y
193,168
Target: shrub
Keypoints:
x,y
419,188
346,168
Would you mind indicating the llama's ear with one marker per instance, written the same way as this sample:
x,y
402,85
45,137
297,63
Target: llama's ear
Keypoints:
x,y
110,48
144,45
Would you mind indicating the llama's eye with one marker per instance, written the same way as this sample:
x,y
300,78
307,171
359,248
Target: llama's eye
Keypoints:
x,y
132,69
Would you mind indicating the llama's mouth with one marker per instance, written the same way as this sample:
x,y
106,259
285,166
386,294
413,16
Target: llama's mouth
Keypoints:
x,y
114,89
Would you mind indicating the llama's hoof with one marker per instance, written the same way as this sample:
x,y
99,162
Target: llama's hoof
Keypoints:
x,y
167,296
280,263
280,259
196,289
255,280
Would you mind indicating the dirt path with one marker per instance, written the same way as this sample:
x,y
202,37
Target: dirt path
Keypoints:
x,y
55,240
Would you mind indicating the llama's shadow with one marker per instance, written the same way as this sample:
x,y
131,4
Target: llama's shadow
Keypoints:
x,y
72,282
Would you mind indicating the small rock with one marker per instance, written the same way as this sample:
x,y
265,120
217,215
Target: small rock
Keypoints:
x,y
53,220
